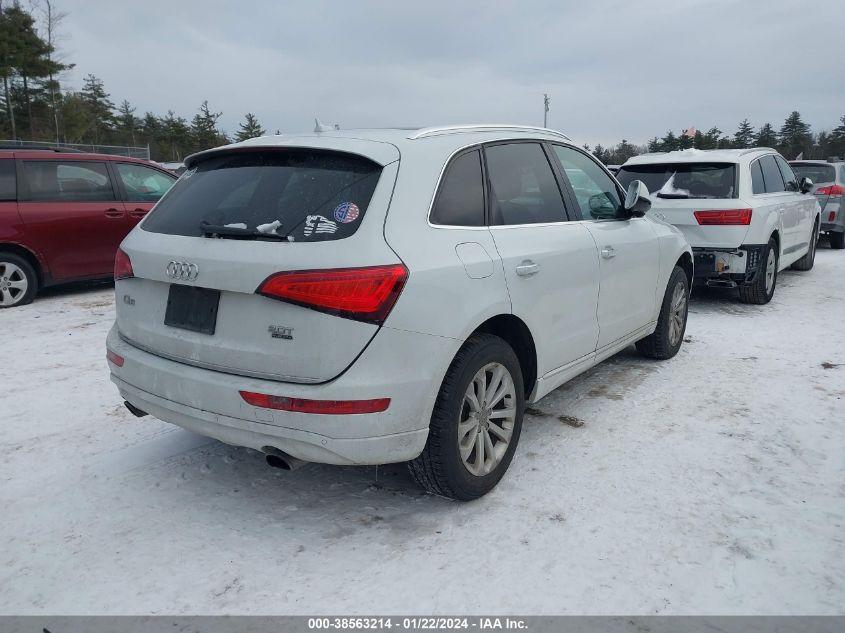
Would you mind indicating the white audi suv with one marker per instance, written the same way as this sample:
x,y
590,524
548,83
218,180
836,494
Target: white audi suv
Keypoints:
x,y
744,212
381,296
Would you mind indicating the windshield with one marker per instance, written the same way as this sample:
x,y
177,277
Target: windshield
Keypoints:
x,y
817,172
683,180
309,195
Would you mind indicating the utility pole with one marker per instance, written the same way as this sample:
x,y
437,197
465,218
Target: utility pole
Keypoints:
x,y
546,102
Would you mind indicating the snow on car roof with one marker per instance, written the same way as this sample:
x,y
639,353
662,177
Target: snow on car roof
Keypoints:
x,y
697,156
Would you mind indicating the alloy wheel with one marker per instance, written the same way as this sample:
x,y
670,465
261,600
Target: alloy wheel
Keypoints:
x,y
770,271
487,418
677,313
13,284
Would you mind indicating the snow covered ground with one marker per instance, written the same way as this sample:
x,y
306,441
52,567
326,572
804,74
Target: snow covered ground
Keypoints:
x,y
712,483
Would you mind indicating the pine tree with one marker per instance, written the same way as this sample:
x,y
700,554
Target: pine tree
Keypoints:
x,y
669,143
127,122
766,137
250,128
795,136
100,108
744,136
836,140
654,145
204,128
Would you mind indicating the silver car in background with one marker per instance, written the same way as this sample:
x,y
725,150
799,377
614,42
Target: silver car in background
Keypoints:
x,y
829,188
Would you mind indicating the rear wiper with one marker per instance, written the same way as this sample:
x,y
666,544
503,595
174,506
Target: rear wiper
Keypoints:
x,y
673,196
223,232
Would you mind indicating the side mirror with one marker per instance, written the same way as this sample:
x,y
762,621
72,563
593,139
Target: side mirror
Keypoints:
x,y
637,201
805,185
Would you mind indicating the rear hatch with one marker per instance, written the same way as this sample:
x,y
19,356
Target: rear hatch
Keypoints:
x,y
239,223
699,198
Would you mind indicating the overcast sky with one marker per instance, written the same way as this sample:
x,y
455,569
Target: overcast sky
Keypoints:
x,y
613,69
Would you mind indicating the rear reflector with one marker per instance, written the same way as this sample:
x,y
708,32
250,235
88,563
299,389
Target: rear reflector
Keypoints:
x,y
724,217
324,407
831,190
832,216
364,294
122,265
114,358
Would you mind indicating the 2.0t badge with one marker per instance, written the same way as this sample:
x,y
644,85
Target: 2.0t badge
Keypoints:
x,y
185,271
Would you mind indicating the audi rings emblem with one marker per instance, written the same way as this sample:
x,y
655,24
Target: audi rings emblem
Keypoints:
x,y
186,271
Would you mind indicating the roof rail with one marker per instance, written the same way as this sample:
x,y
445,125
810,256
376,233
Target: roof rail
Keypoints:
x,y
460,129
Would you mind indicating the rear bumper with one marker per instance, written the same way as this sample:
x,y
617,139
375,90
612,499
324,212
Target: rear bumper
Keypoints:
x,y
407,367
837,224
727,266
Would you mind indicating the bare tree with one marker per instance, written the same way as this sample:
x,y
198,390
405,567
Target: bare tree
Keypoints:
x,y
52,20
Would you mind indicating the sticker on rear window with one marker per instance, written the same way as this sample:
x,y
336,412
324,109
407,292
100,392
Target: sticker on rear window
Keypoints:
x,y
346,212
317,224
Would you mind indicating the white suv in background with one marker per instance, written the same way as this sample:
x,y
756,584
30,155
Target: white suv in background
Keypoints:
x,y
743,211
379,296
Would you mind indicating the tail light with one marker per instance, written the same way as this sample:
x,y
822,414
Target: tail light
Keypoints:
x,y
831,190
122,266
114,358
724,217
324,407
363,294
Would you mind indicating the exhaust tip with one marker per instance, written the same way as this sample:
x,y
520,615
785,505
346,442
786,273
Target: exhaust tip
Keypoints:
x,y
278,462
280,459
138,413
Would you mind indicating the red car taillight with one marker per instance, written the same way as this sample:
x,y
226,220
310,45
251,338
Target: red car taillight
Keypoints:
x,y
831,190
122,265
724,217
324,407
364,294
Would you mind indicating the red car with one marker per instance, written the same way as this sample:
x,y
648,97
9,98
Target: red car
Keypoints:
x,y
63,215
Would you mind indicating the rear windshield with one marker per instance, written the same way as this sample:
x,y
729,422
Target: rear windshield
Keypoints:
x,y
308,195
684,180
817,172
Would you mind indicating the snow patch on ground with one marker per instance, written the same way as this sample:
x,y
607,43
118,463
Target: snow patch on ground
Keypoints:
x,y
712,483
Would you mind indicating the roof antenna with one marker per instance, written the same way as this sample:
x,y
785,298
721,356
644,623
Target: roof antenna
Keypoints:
x,y
321,127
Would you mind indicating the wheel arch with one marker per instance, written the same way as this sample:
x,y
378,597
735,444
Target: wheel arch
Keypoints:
x,y
28,255
515,332
686,263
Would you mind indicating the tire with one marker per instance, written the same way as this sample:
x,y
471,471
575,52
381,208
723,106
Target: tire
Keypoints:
x,y
837,240
668,337
806,262
758,292
18,281
440,468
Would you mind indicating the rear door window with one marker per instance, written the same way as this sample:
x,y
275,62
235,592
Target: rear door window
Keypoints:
x,y
460,200
8,188
683,180
757,183
523,188
143,184
307,195
66,181
771,175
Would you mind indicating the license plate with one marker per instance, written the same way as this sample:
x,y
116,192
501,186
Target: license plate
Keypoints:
x,y
190,308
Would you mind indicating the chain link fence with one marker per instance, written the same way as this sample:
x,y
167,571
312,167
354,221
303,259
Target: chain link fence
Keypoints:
x,y
117,150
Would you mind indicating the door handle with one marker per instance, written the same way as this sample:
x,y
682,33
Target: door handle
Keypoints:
x,y
114,213
527,268
608,252
138,213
